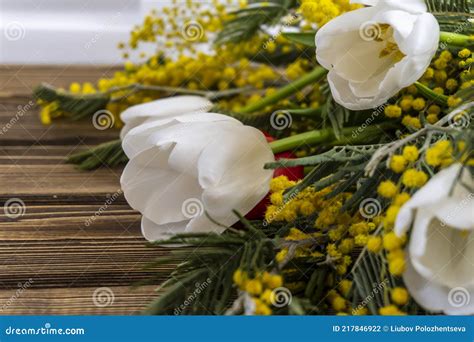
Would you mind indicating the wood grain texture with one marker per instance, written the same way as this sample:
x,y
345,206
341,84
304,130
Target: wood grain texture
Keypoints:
x,y
76,232
120,300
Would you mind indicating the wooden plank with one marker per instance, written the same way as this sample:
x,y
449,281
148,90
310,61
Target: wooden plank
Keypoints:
x,y
76,232
75,245
25,129
19,123
115,300
60,179
22,79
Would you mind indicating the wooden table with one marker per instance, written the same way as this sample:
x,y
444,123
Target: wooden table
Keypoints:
x,y
69,243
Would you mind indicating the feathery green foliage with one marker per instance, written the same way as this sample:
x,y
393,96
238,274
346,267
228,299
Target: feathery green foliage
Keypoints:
x,y
248,21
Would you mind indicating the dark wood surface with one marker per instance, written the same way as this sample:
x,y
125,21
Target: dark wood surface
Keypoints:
x,y
69,243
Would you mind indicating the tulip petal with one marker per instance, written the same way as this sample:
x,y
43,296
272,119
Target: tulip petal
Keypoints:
x,y
225,176
361,62
156,190
251,150
427,294
405,73
365,2
412,6
171,158
423,39
402,22
241,195
153,232
193,140
167,107
440,253
371,87
161,131
344,95
202,224
337,37
137,139
465,304
163,108
132,123
351,45
435,297
434,191
456,212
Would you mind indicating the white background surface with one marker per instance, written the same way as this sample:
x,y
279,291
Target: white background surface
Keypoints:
x,y
68,31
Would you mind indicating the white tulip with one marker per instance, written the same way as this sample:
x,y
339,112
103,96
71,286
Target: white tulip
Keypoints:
x,y
182,168
440,265
160,109
373,52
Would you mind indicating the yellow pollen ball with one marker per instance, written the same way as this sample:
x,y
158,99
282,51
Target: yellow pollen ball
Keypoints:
x,y
399,296
391,215
390,310
406,104
411,153
401,199
272,280
434,109
419,104
345,287
254,287
397,266
374,244
464,53
413,178
391,241
398,163
393,111
432,118
339,303
387,189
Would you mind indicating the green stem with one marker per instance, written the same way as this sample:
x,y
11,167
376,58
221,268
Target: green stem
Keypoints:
x,y
308,138
350,135
455,39
306,112
430,94
210,94
286,91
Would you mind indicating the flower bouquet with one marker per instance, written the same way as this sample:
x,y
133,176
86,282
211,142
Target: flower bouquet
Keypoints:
x,y
301,157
